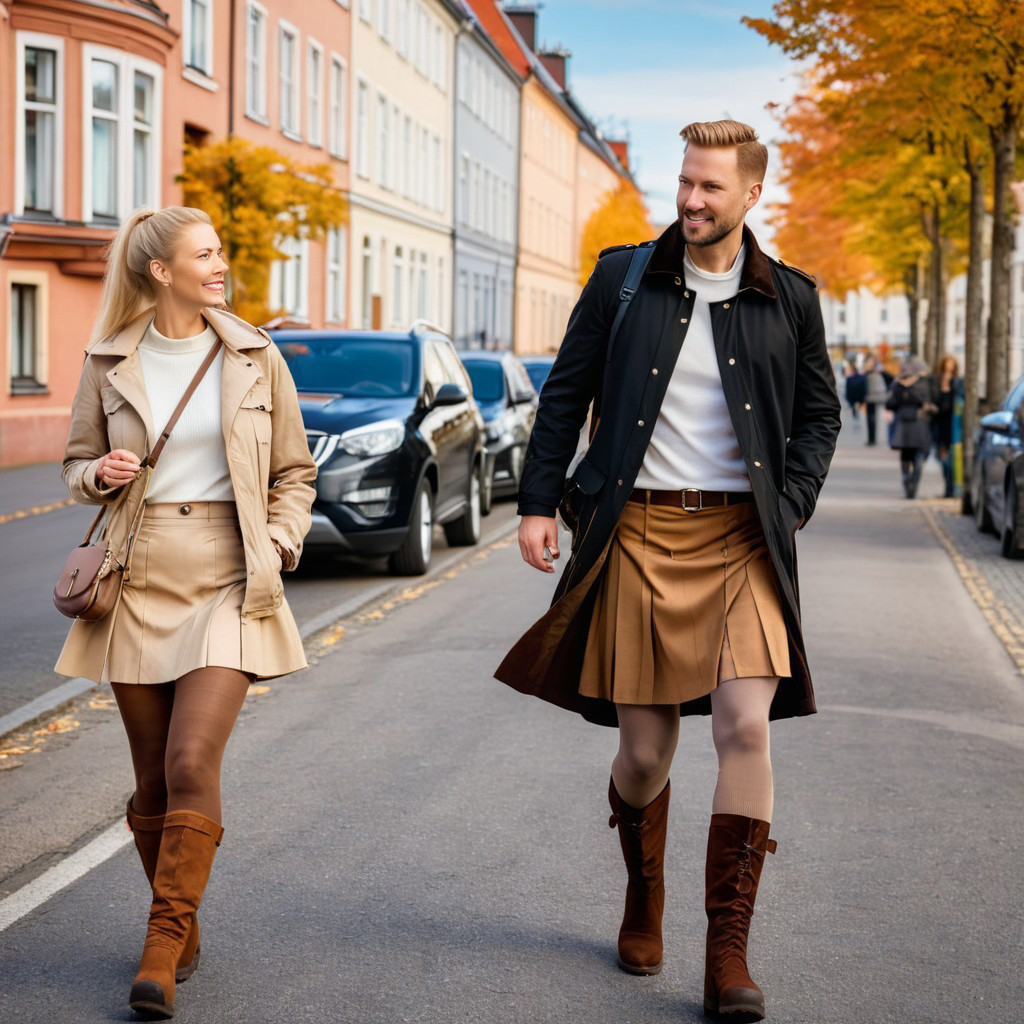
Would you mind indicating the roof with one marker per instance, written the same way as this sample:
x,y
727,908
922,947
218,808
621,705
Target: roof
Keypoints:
x,y
497,26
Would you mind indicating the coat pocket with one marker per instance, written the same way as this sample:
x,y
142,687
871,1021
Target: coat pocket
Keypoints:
x,y
259,398
111,398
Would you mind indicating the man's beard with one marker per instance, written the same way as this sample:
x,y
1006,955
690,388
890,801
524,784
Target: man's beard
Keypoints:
x,y
717,233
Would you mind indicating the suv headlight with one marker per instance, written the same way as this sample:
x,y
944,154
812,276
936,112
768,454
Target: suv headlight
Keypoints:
x,y
374,439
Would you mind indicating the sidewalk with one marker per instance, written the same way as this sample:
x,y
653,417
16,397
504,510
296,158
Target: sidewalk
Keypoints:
x,y
31,487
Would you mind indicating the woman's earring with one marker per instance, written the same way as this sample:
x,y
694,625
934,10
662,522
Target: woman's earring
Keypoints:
x,y
166,284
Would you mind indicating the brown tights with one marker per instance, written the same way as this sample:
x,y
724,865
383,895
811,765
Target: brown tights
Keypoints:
x,y
177,733
739,725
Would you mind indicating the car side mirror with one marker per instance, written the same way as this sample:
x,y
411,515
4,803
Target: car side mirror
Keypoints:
x,y
1002,421
450,394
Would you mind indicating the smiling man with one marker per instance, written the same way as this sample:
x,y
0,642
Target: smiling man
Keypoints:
x,y
716,419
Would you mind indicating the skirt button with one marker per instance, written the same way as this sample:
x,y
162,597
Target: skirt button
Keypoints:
x,y
184,509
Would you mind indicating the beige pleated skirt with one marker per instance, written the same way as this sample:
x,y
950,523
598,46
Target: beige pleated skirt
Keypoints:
x,y
686,599
181,607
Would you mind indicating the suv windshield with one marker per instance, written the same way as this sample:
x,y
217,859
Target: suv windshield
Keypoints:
x,y
488,380
356,367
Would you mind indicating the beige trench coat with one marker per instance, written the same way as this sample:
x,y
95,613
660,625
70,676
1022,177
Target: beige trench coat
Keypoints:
x,y
271,469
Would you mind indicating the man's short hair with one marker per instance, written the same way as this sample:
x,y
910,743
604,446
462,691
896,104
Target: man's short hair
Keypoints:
x,y
751,155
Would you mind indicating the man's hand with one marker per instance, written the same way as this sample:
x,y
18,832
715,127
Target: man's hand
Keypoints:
x,y
535,534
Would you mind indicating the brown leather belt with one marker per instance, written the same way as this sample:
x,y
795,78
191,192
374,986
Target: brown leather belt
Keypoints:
x,y
692,499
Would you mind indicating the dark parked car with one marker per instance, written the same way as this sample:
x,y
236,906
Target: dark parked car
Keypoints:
x,y
998,477
508,403
398,439
538,367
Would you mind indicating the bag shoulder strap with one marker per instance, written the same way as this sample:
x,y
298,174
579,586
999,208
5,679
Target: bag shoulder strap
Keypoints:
x,y
630,285
151,459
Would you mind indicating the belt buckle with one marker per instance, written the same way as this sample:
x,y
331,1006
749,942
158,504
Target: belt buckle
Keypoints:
x,y
700,500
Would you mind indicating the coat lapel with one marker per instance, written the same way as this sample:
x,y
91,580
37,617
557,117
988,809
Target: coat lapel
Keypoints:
x,y
128,379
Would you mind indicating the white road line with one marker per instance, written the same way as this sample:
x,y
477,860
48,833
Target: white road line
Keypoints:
x,y
61,875
41,705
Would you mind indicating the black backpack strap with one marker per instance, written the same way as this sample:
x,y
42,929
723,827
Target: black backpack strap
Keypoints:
x,y
630,283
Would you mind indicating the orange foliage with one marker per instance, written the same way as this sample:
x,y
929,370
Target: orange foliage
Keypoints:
x,y
621,218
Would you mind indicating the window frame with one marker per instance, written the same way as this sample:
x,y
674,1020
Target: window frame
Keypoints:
x,y
38,384
336,313
128,64
278,282
39,41
292,129
314,94
362,128
337,107
256,112
186,39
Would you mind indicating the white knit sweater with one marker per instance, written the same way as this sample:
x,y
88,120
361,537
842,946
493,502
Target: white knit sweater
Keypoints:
x,y
194,464
694,444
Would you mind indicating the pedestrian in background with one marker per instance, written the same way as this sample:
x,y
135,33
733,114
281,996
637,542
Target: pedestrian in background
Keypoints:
x,y
856,388
680,597
911,403
877,383
947,386
202,610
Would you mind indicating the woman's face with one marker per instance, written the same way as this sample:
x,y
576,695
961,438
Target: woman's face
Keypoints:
x,y
195,273
949,366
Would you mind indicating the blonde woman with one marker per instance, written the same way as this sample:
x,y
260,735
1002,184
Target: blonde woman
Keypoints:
x,y
202,610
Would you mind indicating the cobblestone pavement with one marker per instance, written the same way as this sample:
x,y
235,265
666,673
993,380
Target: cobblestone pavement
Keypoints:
x,y
996,584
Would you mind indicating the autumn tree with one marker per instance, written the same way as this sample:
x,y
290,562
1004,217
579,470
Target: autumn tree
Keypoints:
x,y
257,198
621,218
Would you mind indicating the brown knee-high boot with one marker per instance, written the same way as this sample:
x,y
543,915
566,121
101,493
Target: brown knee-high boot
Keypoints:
x,y
736,851
187,849
642,836
147,830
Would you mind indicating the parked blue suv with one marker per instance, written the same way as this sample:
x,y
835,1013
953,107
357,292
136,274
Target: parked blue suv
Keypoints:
x,y
397,438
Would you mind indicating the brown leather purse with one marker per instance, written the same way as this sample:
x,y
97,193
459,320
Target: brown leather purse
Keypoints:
x,y
91,581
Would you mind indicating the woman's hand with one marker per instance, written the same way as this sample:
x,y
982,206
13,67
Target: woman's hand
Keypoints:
x,y
118,468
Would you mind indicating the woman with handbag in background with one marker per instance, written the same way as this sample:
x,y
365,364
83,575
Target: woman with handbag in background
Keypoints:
x,y
910,401
197,535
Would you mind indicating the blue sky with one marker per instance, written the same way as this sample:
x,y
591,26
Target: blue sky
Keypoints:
x,y
656,65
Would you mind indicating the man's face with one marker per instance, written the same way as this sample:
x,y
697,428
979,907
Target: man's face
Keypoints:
x,y
713,198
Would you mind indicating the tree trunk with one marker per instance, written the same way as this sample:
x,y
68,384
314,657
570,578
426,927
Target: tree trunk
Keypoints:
x,y
973,336
1004,147
930,223
935,337
912,292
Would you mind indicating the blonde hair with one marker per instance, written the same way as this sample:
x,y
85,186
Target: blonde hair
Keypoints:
x,y
751,155
128,287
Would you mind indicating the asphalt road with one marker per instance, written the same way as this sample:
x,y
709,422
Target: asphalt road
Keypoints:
x,y
409,841
33,550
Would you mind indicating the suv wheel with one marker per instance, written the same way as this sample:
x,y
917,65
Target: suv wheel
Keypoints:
x,y
465,531
982,518
1010,539
413,557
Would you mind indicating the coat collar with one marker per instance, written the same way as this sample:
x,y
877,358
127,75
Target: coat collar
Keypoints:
x,y
232,330
670,247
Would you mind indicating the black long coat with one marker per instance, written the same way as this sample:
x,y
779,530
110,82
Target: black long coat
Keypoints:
x,y
780,389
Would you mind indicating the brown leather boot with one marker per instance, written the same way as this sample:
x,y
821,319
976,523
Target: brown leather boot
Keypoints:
x,y
147,832
187,848
736,851
642,835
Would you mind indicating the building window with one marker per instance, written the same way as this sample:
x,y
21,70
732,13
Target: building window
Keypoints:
x,y
439,58
402,26
842,316
315,94
366,10
122,133
439,179
423,310
256,62
289,284
337,274
384,20
289,75
362,129
463,211
197,35
383,128
40,100
26,339
397,298
367,267
407,160
336,124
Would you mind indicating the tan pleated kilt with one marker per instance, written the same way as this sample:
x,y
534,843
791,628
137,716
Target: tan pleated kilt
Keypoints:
x,y
686,599
180,608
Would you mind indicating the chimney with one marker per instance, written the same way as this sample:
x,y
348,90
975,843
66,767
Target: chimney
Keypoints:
x,y
556,64
524,21
621,150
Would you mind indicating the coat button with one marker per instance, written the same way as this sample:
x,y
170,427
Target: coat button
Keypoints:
x,y
758,464
655,371
683,321
620,483
686,295
725,305
639,423
747,406
732,362
679,280
184,509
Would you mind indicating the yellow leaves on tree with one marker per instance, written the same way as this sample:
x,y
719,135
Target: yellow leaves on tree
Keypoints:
x,y
257,198
621,218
